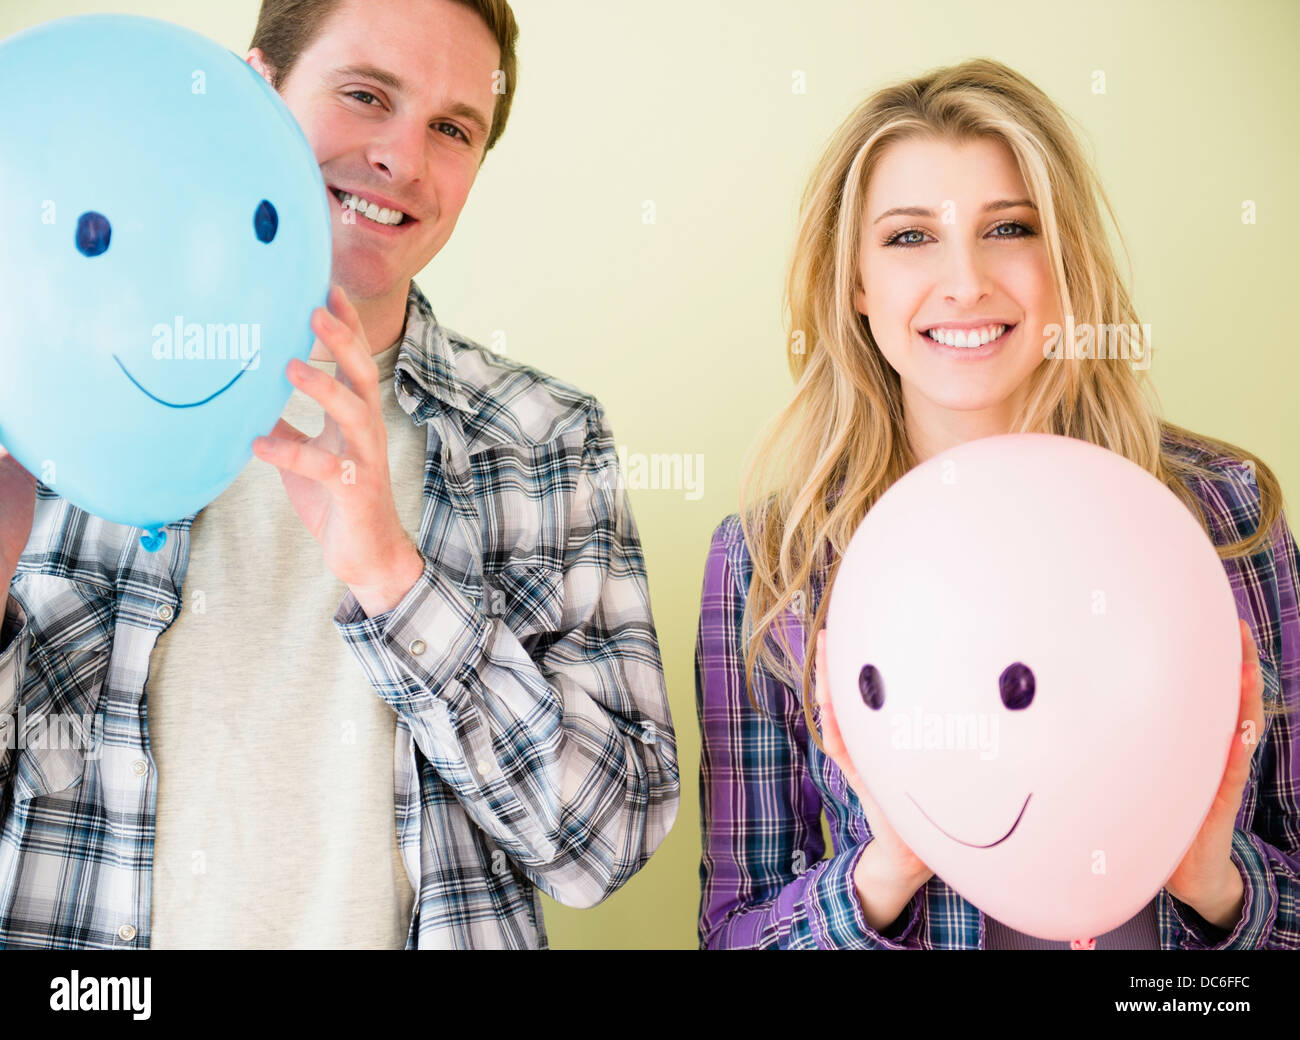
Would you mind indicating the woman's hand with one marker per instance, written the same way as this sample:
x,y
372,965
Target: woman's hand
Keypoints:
x,y
1206,879
889,872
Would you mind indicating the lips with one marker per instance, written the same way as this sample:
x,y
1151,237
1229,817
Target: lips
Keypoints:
x,y
379,201
982,350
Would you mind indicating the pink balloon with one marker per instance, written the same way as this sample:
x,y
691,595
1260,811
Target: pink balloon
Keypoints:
x,y
1057,669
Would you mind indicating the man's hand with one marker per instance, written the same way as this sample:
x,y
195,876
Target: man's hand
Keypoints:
x,y
338,481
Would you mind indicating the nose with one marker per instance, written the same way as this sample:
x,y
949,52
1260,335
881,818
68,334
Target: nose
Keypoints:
x,y
398,149
965,278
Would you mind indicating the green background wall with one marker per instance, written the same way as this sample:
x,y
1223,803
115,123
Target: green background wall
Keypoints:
x,y
676,325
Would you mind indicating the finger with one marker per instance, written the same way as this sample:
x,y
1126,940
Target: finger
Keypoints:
x,y
836,749
357,369
339,328
830,726
306,460
819,681
870,810
1246,733
355,420
10,464
287,431
1252,725
1247,637
819,664
340,305
1252,675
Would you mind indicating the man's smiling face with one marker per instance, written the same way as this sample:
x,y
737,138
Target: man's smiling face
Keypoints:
x,y
396,99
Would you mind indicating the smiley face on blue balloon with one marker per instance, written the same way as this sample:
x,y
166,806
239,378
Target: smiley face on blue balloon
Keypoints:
x,y
166,239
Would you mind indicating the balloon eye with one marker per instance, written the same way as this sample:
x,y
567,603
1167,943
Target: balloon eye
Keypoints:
x,y
265,221
93,233
1016,684
871,686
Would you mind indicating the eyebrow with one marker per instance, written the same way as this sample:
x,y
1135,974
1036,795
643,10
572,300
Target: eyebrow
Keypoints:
x,y
393,82
921,211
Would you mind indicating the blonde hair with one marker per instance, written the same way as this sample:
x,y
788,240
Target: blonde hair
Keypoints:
x,y
841,442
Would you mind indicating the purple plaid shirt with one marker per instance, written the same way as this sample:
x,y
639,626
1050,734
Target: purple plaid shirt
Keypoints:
x,y
764,784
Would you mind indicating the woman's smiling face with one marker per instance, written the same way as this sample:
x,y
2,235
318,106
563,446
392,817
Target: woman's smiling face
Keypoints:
x,y
951,247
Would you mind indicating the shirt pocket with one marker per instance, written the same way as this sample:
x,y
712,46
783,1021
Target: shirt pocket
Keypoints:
x,y
528,597
58,720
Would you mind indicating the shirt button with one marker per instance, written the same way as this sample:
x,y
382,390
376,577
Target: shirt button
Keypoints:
x,y
139,767
484,766
165,612
417,647
126,933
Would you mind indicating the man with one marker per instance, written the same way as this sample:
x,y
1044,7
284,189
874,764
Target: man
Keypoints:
x,y
414,677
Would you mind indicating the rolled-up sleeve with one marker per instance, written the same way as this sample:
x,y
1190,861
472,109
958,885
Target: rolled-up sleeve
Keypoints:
x,y
564,755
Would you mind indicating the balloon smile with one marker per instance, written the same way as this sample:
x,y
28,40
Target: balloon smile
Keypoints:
x,y
250,363
972,844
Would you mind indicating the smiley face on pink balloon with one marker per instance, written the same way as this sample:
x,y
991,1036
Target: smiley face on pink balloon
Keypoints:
x,y
1016,687
1034,658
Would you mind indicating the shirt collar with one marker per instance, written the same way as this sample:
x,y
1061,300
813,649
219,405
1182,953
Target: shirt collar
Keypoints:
x,y
425,367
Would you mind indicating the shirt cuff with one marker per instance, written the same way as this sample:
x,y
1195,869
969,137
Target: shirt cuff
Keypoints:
x,y
835,912
413,652
1258,909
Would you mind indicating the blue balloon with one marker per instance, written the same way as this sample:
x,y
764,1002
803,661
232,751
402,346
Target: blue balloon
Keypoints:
x,y
166,238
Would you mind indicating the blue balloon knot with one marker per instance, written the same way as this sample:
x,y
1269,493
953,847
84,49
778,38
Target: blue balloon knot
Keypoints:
x,y
153,540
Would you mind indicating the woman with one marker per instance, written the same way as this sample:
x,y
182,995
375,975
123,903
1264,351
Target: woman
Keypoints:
x,y
951,223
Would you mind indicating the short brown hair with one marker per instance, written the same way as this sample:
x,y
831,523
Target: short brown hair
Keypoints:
x,y
286,28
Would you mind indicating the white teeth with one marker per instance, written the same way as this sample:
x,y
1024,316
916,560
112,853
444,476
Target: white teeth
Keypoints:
x,y
391,217
966,338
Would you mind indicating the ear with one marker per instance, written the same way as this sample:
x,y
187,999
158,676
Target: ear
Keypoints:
x,y
860,300
258,60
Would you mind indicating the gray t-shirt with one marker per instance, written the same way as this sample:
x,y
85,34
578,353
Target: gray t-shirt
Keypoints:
x,y
275,756
1139,932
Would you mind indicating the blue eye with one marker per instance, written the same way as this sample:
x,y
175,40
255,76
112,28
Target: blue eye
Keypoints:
x,y
900,238
871,686
1022,230
93,233
1016,684
265,221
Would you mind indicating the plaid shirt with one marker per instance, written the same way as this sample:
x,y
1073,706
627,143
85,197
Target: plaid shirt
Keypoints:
x,y
764,783
535,748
